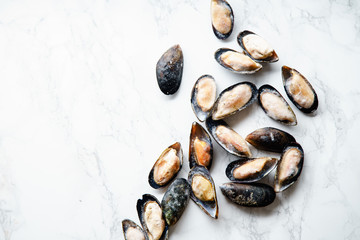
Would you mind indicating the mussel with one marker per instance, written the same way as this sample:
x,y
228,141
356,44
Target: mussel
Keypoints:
x,y
200,147
175,200
290,166
227,138
234,99
152,218
246,170
269,139
256,47
132,231
275,106
222,18
237,62
203,96
249,195
299,90
203,190
169,70
166,167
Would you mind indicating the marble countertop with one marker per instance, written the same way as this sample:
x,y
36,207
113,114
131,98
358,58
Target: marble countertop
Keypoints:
x,y
83,120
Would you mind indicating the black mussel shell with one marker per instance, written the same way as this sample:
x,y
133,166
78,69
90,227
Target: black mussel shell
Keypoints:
x,y
204,146
128,224
218,33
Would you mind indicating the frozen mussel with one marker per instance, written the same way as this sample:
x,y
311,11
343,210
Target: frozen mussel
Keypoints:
x,y
290,166
200,147
246,170
203,190
299,90
132,231
203,96
256,47
275,106
222,18
270,139
237,62
166,167
227,138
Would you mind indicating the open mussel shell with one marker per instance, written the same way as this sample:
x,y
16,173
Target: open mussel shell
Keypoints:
x,y
246,170
227,138
270,139
203,96
132,231
290,166
256,47
152,218
299,90
249,195
275,106
169,70
200,147
222,18
234,99
237,62
166,167
175,200
203,190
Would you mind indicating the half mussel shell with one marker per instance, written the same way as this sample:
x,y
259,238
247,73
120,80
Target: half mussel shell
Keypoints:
x,y
203,190
166,167
132,231
200,147
275,106
222,18
299,90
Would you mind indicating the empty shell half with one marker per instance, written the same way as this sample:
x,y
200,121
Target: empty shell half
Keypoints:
x,y
132,231
275,106
290,166
234,99
237,62
166,166
299,90
222,18
203,96
257,47
200,147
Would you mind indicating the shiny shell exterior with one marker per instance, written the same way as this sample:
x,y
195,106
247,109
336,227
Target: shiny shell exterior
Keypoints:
x,y
202,184
234,99
246,170
270,139
157,230
203,96
222,18
290,166
256,47
166,167
299,90
200,147
132,231
175,200
227,138
169,70
237,62
275,106
249,195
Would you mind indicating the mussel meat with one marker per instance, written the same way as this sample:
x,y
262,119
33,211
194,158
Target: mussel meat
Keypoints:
x,y
222,18
132,231
200,147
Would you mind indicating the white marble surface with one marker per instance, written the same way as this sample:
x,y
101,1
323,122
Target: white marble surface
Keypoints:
x,y
83,120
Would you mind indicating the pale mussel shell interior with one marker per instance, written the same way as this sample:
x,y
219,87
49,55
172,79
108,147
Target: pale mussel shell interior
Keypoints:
x,y
299,90
227,138
222,18
289,167
203,190
246,170
234,99
256,47
275,106
166,167
132,231
200,147
237,62
203,96
270,139
152,218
